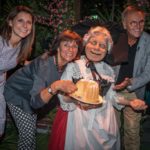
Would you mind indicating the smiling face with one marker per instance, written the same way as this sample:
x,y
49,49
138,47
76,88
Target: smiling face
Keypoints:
x,y
21,26
96,48
67,51
134,24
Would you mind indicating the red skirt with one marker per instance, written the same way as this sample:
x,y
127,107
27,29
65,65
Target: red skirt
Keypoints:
x,y
58,134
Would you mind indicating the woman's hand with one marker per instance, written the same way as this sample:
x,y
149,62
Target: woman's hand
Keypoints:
x,y
26,62
85,106
138,104
63,86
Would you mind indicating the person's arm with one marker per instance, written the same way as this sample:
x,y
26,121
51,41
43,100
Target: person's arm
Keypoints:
x,y
41,93
63,86
2,110
123,85
136,104
143,78
144,52
40,74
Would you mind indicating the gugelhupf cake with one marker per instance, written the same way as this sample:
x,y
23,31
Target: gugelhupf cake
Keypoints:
x,y
88,92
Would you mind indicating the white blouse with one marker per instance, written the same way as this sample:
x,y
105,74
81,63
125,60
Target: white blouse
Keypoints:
x,y
93,129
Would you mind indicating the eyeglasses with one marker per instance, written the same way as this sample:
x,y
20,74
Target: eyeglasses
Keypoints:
x,y
102,46
135,23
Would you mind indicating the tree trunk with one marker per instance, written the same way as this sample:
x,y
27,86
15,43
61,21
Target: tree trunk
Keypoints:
x,y
77,7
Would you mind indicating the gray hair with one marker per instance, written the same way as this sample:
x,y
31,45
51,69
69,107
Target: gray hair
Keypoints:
x,y
98,30
130,9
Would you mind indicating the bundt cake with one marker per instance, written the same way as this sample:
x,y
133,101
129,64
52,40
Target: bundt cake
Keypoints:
x,y
88,92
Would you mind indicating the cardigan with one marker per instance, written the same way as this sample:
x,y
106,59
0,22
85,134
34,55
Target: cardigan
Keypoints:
x,y
23,88
8,60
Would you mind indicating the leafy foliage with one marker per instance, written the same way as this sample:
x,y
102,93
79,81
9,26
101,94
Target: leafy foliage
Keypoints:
x,y
57,15
108,10
52,16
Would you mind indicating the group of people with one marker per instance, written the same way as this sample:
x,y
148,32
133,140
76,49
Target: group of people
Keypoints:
x,y
50,77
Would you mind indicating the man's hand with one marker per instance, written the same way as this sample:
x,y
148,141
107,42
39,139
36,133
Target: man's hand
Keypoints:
x,y
138,104
122,85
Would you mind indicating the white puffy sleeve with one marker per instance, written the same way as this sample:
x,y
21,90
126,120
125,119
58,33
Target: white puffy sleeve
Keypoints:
x,y
111,95
114,98
67,75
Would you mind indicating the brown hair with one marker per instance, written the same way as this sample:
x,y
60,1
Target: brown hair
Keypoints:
x,y
67,35
26,43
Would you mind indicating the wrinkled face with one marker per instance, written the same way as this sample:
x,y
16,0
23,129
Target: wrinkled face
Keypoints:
x,y
21,25
67,51
96,48
134,24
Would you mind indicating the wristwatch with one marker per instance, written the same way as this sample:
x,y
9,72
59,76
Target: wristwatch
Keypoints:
x,y
50,91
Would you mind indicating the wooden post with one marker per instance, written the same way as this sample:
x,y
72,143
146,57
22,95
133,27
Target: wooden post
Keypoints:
x,y
77,7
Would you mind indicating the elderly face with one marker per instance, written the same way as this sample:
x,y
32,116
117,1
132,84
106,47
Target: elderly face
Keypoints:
x,y
96,48
134,24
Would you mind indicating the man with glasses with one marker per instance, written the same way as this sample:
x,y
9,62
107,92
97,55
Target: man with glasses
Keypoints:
x,y
134,75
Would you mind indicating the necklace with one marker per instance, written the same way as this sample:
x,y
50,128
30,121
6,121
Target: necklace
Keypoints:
x,y
59,68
